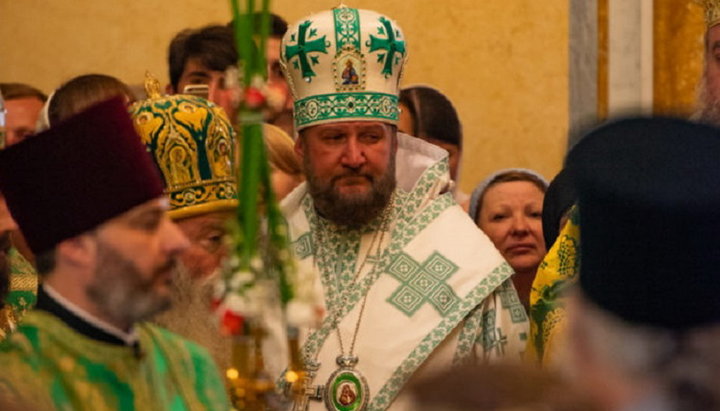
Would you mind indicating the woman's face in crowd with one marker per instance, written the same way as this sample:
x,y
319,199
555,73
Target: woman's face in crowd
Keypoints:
x,y
511,215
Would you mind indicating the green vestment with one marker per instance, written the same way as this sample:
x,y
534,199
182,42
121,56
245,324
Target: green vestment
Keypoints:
x,y
47,365
22,293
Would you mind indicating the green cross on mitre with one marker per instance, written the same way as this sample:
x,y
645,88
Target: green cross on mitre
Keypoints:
x,y
389,44
303,48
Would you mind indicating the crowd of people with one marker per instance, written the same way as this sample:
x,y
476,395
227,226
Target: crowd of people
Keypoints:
x,y
593,291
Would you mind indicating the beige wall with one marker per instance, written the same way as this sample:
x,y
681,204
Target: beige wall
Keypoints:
x,y
503,63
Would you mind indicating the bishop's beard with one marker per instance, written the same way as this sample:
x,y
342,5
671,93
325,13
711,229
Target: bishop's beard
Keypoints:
x,y
708,110
351,211
192,317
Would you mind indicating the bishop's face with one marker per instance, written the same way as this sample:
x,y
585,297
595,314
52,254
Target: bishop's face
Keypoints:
x,y
208,249
350,168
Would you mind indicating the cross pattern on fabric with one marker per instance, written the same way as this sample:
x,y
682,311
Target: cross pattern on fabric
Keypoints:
x,y
389,44
492,337
303,48
423,283
303,246
510,301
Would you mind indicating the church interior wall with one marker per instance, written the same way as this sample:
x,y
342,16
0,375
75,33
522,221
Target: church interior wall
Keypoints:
x,y
503,64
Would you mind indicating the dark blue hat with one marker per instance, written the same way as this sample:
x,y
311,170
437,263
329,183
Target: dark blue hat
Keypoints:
x,y
649,199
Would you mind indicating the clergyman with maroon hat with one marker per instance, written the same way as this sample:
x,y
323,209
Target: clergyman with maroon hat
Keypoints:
x,y
90,203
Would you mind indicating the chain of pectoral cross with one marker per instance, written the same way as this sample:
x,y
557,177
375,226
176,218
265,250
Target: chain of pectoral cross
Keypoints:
x,y
342,300
317,392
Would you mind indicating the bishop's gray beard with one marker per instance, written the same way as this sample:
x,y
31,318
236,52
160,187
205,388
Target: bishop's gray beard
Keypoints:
x,y
192,317
351,211
708,110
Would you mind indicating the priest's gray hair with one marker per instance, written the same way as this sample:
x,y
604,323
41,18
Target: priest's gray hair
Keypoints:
x,y
684,365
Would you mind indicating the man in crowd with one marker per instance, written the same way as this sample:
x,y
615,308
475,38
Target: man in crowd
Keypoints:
x,y
410,284
644,326
23,104
201,57
196,157
89,201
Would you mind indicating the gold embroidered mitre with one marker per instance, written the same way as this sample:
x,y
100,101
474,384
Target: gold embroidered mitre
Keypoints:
x,y
193,144
712,12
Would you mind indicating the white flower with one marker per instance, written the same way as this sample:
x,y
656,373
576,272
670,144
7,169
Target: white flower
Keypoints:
x,y
304,286
256,264
219,289
235,303
239,279
275,98
301,314
258,82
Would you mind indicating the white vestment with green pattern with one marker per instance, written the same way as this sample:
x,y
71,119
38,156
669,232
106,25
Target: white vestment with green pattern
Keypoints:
x,y
438,294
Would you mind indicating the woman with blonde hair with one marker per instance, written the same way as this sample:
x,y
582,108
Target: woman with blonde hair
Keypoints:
x,y
286,170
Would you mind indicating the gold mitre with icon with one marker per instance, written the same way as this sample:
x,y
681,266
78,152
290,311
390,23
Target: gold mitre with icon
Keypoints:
x,y
344,64
712,12
193,144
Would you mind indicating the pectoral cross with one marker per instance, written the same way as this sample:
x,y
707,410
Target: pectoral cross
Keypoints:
x,y
303,48
309,391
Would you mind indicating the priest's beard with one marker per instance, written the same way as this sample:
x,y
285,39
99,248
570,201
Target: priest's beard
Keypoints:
x,y
351,211
708,110
191,315
122,292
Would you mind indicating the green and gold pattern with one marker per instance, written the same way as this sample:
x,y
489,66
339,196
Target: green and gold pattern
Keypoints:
x,y
344,64
45,364
557,272
192,143
22,294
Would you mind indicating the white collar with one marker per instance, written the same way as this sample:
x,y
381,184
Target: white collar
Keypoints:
x,y
129,338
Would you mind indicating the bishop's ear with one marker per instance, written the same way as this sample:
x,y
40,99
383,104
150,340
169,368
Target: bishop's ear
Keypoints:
x,y
299,146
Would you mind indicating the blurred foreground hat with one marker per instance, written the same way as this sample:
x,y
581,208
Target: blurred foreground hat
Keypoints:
x,y
649,201
76,175
193,145
344,64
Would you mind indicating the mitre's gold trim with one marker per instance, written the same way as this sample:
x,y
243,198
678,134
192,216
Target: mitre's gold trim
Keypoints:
x,y
197,209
